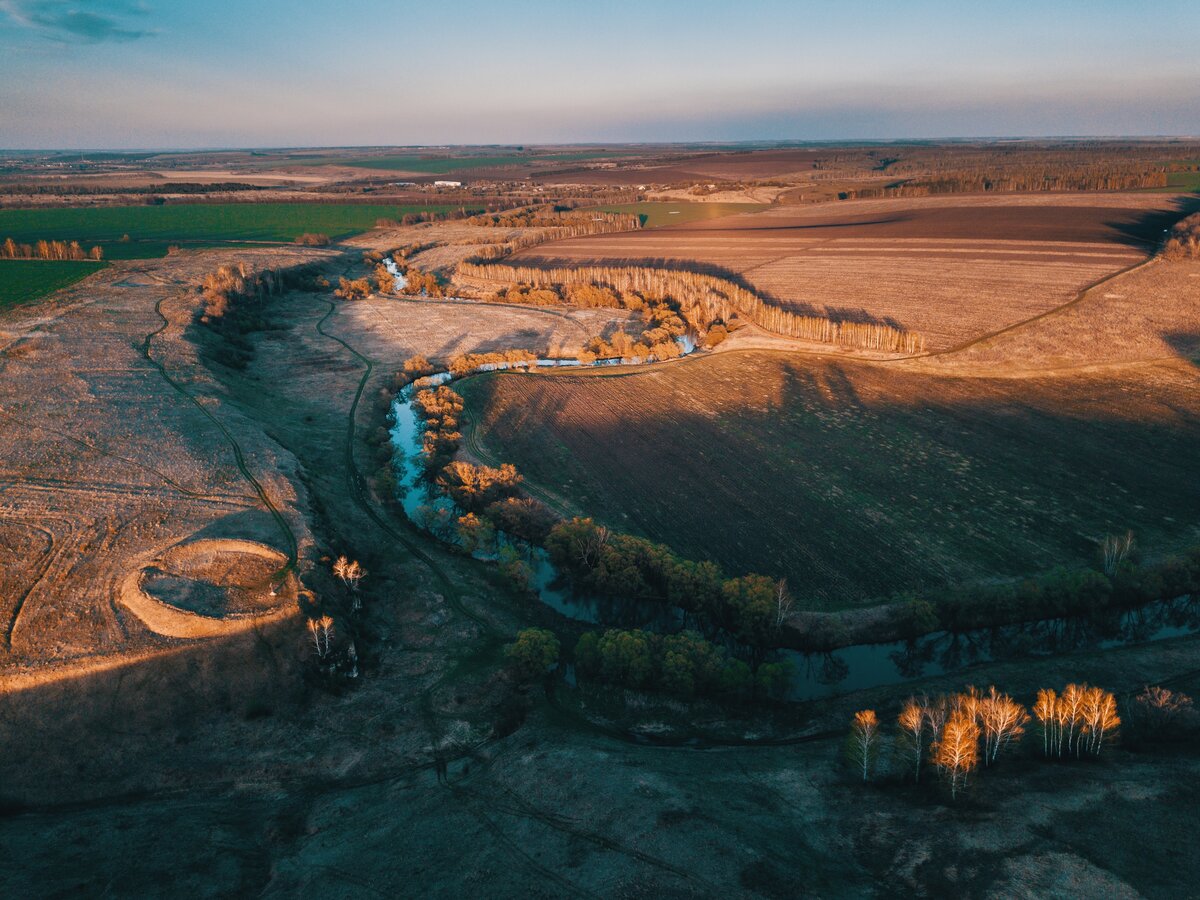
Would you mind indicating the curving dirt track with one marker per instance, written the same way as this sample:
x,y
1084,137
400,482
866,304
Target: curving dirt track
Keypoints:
x,y
210,588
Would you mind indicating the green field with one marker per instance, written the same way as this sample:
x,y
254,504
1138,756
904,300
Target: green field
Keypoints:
x,y
439,165
152,228
655,215
1184,181
24,280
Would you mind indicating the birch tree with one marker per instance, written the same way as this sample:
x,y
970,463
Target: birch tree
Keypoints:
x,y
862,744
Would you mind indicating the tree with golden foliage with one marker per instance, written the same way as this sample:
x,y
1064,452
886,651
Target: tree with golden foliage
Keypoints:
x,y
1100,719
1078,720
322,634
1002,721
385,281
351,573
359,289
956,752
913,724
862,744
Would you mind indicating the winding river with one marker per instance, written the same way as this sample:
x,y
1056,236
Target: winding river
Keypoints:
x,y
814,676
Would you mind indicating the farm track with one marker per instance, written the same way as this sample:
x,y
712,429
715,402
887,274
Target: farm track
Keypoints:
x,y
285,529
1075,301
44,564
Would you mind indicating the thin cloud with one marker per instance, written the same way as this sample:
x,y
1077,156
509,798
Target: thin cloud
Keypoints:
x,y
63,21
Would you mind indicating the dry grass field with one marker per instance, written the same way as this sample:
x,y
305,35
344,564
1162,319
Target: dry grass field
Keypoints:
x,y
952,268
109,465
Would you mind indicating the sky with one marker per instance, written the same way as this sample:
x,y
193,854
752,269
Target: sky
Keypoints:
x,y
152,74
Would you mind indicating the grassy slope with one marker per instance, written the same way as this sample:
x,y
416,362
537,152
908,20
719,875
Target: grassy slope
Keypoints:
x,y
152,228
852,480
658,214
24,280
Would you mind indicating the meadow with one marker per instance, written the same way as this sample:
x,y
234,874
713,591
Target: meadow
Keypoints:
x,y
854,480
24,280
151,229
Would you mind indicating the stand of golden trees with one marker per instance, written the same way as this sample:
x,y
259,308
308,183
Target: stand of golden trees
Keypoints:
x,y
1184,242
956,734
60,250
703,300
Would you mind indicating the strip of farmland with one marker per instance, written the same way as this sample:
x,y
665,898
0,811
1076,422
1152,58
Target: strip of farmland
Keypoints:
x,y
950,269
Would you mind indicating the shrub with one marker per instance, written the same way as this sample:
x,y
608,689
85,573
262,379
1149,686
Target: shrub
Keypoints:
x,y
533,652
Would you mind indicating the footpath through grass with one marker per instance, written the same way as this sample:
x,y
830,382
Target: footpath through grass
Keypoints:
x,y
23,280
658,214
151,229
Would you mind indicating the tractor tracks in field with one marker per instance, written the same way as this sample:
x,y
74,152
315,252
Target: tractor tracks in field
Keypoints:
x,y
289,536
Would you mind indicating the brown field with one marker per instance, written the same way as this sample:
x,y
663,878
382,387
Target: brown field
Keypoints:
x,y
952,269
700,167
856,480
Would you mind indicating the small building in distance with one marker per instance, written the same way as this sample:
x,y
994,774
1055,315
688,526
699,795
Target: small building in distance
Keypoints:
x,y
453,184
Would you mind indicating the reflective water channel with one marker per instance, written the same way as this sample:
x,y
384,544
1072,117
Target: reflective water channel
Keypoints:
x,y
813,675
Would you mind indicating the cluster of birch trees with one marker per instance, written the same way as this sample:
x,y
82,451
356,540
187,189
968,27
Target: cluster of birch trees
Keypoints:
x,y
956,734
702,299
65,250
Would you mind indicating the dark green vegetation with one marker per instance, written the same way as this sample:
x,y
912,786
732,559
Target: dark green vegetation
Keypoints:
x,y
856,481
656,214
23,280
152,228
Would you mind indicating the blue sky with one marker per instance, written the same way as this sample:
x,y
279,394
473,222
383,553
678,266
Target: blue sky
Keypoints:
x,y
153,73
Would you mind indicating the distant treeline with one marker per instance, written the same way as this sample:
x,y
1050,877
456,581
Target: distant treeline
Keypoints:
x,y
10,249
1082,180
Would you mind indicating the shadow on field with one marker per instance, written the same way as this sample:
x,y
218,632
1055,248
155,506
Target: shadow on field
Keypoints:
x,y
855,481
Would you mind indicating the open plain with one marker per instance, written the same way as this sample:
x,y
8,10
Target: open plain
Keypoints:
x,y
174,497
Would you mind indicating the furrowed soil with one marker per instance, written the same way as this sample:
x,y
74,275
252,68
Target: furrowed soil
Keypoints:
x,y
951,268
855,480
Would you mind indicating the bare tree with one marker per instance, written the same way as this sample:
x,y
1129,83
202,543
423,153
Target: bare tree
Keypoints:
x,y
862,745
1116,549
322,634
783,603
913,722
1002,720
351,574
